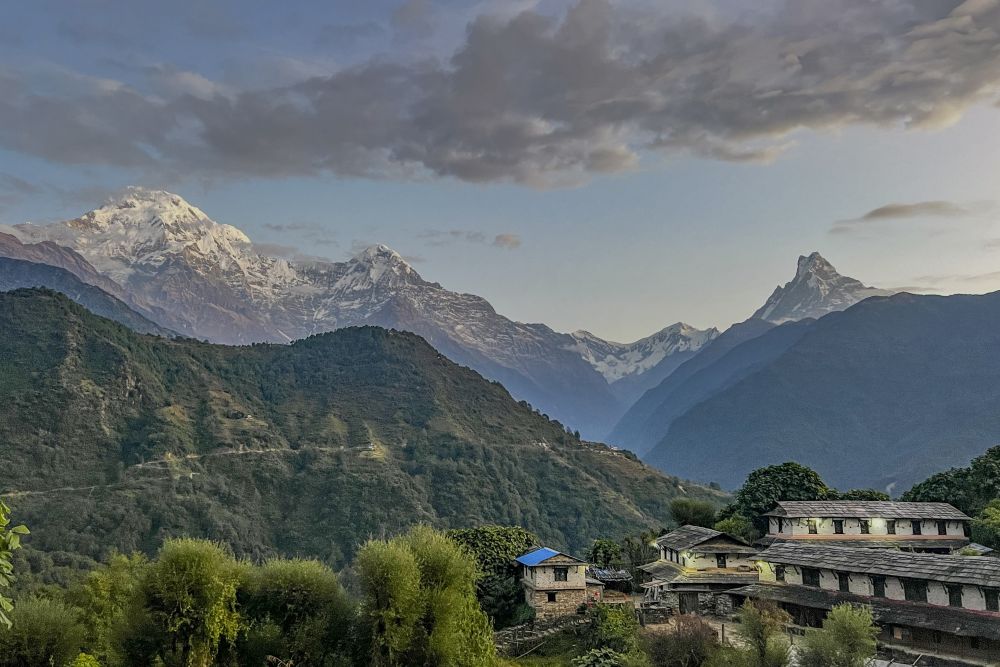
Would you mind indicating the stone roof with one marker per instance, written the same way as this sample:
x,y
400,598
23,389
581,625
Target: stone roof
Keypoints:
x,y
885,509
873,541
963,622
972,570
609,575
687,537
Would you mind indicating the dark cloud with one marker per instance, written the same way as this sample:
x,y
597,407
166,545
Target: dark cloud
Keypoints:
x,y
936,209
346,35
547,101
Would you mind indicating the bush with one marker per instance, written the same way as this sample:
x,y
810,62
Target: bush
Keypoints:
x,y
600,657
738,526
986,526
44,633
612,626
847,639
689,644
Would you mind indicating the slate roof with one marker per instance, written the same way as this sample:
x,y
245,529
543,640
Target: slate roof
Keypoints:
x,y
686,537
963,622
972,570
865,508
662,569
608,575
538,556
873,541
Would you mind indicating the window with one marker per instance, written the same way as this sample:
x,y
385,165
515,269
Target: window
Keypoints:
x,y
551,597
915,526
720,560
915,590
781,525
779,572
942,527
838,526
865,526
561,573
890,526
878,586
966,529
992,596
844,582
810,577
955,595
812,526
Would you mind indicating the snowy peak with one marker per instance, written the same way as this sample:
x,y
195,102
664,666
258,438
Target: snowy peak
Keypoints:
x,y
616,361
377,267
816,290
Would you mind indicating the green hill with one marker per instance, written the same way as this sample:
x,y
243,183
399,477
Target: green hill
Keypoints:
x,y
115,440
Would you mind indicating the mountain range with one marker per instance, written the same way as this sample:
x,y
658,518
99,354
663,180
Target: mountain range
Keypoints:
x,y
203,279
115,440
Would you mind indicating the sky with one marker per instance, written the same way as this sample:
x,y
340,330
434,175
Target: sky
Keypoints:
x,y
610,165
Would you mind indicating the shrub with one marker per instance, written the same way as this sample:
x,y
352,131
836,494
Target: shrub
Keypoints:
x,y
847,639
689,644
44,633
612,626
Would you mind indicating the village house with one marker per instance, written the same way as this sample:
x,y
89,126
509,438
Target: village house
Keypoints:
x,y
925,601
556,584
695,566
921,527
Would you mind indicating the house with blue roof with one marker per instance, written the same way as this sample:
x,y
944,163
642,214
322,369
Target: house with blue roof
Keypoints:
x,y
556,584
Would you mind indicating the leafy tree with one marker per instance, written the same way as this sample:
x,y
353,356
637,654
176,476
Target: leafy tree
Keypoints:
x,y
638,550
189,601
969,489
847,639
986,526
10,541
690,512
764,487
44,633
495,549
689,644
738,526
613,627
85,660
105,596
604,553
862,494
419,603
761,628
303,604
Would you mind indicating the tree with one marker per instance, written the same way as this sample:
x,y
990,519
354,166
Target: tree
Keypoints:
x,y
689,644
604,553
189,601
690,512
863,494
44,633
764,487
105,596
738,526
847,639
986,526
761,628
419,603
304,602
10,541
495,549
612,627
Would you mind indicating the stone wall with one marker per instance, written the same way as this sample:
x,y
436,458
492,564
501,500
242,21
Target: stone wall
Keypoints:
x,y
566,603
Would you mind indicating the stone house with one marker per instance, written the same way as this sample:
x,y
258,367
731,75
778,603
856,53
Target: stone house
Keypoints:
x,y
922,527
696,566
925,601
556,584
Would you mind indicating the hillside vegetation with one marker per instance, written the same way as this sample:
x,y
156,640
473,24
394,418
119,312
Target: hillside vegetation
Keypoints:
x,y
114,441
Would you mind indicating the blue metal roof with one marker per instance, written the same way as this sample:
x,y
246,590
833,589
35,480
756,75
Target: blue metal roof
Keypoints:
x,y
538,555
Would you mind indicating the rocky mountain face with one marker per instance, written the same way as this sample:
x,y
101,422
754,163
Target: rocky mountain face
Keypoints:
x,y
115,441
816,289
205,280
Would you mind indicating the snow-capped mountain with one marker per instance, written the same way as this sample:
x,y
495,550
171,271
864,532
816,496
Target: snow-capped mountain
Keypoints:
x,y
816,289
205,279
632,368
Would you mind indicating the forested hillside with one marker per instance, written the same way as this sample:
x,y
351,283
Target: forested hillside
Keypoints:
x,y
114,440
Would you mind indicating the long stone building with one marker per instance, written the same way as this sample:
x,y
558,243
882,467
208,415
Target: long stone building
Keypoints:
x,y
923,527
928,601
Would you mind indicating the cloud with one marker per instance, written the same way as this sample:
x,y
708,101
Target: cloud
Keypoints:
x,y
546,100
924,210
509,241
288,252
439,237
